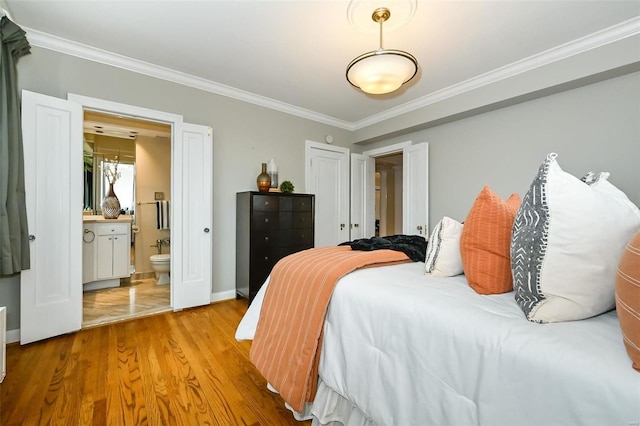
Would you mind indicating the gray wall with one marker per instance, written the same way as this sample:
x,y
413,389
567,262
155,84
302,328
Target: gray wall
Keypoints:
x,y
595,127
244,136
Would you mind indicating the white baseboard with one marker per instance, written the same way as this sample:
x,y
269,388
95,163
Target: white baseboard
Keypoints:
x,y
223,295
13,335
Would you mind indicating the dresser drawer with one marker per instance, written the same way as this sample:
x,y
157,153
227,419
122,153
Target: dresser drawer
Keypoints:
x,y
302,204
265,203
112,228
267,238
262,260
265,220
302,237
294,220
296,204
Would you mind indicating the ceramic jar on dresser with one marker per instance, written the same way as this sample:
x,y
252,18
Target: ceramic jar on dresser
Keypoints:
x,y
269,226
106,251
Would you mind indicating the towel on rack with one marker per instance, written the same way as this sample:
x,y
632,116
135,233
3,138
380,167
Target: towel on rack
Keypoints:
x,y
162,214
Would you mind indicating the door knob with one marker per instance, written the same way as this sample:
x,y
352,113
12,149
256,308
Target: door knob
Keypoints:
x,y
206,230
32,237
341,226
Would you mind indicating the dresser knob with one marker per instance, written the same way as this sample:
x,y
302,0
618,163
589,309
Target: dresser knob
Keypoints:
x,y
266,203
266,258
266,238
266,220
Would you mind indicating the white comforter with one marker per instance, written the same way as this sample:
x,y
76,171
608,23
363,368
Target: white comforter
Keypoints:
x,y
408,349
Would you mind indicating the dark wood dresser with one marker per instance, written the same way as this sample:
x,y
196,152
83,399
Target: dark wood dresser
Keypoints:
x,y
269,226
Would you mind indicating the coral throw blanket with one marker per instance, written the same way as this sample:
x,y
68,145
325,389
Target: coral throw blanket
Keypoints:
x,y
286,346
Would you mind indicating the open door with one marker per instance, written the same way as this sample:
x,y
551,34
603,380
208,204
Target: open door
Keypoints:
x,y
193,208
51,291
415,182
52,136
362,196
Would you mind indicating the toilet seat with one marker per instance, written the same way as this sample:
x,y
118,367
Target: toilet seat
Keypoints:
x,y
160,258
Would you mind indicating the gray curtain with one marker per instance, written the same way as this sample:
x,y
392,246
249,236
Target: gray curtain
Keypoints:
x,y
14,234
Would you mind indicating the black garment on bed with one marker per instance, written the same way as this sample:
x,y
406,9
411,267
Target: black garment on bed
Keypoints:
x,y
413,246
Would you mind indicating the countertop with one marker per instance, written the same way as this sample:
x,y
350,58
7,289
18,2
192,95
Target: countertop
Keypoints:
x,y
100,218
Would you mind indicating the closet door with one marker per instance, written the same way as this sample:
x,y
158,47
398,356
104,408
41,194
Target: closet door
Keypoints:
x,y
191,252
415,182
327,176
362,196
51,291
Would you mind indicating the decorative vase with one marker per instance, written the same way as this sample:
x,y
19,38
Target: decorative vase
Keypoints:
x,y
272,169
110,204
264,180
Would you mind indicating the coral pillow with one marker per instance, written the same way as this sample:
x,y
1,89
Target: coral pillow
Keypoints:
x,y
628,299
485,242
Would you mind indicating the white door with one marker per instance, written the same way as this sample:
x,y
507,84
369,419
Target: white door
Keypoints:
x,y
362,196
191,255
415,183
327,176
51,291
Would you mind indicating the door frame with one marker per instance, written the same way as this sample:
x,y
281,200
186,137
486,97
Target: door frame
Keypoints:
x,y
397,148
175,121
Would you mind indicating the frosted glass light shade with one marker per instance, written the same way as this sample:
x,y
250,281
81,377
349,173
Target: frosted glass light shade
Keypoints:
x,y
381,71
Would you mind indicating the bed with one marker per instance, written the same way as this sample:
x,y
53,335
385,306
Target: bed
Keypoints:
x,y
510,319
404,348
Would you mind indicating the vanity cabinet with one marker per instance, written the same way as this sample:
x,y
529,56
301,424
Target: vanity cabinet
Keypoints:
x,y
269,226
113,250
106,253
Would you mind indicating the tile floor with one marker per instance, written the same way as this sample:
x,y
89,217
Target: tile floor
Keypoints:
x,y
132,299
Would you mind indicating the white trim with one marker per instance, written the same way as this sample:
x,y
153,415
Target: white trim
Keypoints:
x,y
13,336
58,44
389,149
223,295
600,38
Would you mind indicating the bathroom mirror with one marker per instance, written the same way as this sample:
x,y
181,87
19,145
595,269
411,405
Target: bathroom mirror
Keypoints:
x,y
98,152
104,143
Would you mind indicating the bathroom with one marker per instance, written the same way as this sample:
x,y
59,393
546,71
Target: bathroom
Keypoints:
x,y
143,153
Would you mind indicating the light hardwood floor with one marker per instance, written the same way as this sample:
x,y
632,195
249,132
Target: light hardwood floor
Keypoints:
x,y
134,298
174,368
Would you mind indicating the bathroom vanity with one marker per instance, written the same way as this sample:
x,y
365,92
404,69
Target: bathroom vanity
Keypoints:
x,y
106,251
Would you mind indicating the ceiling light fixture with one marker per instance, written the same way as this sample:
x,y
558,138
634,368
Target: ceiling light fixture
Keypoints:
x,y
383,70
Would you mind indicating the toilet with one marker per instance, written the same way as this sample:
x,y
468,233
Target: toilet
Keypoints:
x,y
161,264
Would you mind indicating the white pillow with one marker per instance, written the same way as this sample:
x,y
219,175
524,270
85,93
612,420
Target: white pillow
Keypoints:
x,y
567,240
443,249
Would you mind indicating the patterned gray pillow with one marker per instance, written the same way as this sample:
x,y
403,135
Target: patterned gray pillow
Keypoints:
x,y
566,243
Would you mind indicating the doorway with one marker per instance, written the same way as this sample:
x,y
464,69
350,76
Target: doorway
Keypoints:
x,y
52,131
140,153
388,195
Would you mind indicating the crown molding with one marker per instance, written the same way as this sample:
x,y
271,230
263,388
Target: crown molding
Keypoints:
x,y
600,38
603,37
58,44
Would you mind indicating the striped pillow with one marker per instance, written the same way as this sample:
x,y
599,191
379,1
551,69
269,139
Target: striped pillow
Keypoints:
x,y
628,299
485,242
443,251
